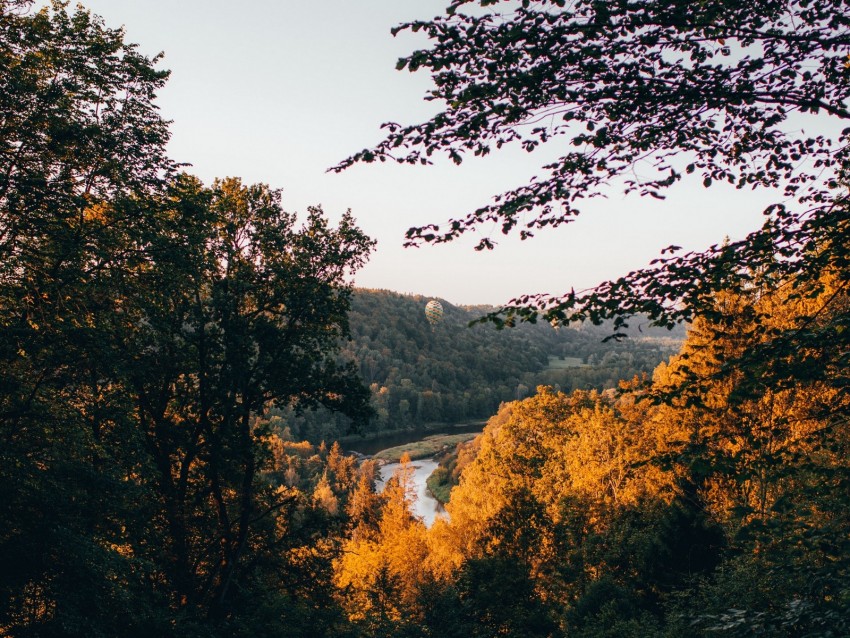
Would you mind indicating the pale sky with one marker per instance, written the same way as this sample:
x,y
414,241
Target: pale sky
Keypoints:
x,y
278,91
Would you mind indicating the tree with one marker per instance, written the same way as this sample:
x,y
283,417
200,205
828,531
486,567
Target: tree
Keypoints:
x,y
765,452
491,596
146,322
82,144
237,308
662,89
381,570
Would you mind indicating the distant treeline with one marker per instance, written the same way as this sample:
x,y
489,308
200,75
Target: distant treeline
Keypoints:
x,y
453,372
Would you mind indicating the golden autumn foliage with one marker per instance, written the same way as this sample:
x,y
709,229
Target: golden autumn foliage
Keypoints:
x,y
555,447
748,434
607,503
379,570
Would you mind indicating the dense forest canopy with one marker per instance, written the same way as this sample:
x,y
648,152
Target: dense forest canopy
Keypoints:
x,y
145,319
688,506
422,375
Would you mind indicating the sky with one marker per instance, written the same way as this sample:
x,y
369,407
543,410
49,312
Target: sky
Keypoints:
x,y
278,91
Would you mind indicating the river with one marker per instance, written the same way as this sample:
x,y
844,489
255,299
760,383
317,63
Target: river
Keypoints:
x,y
375,444
425,506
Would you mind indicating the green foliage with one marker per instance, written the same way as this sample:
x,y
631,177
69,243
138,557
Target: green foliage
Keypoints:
x,y
246,313
439,484
453,373
490,597
80,132
450,468
144,321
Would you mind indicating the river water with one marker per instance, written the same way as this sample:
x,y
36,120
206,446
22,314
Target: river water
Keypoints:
x,y
373,445
426,506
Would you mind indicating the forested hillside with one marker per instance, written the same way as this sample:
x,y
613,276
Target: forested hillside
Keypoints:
x,y
702,503
452,372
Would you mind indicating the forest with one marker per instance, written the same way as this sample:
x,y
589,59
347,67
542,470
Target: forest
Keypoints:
x,y
421,375
173,353
572,517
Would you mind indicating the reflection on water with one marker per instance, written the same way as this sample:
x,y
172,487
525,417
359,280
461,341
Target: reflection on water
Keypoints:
x,y
425,506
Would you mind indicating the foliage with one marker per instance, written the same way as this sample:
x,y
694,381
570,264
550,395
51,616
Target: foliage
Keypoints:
x,y
736,452
154,330
245,314
379,571
453,373
641,95
702,503
705,499
80,133
451,466
490,597
145,321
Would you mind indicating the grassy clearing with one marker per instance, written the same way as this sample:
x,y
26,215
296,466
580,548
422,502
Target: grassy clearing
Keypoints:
x,y
426,448
439,485
556,363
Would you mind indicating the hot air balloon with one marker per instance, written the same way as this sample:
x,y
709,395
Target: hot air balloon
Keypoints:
x,y
434,312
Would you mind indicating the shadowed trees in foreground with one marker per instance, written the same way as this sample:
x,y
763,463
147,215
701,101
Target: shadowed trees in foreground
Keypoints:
x,y
145,321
